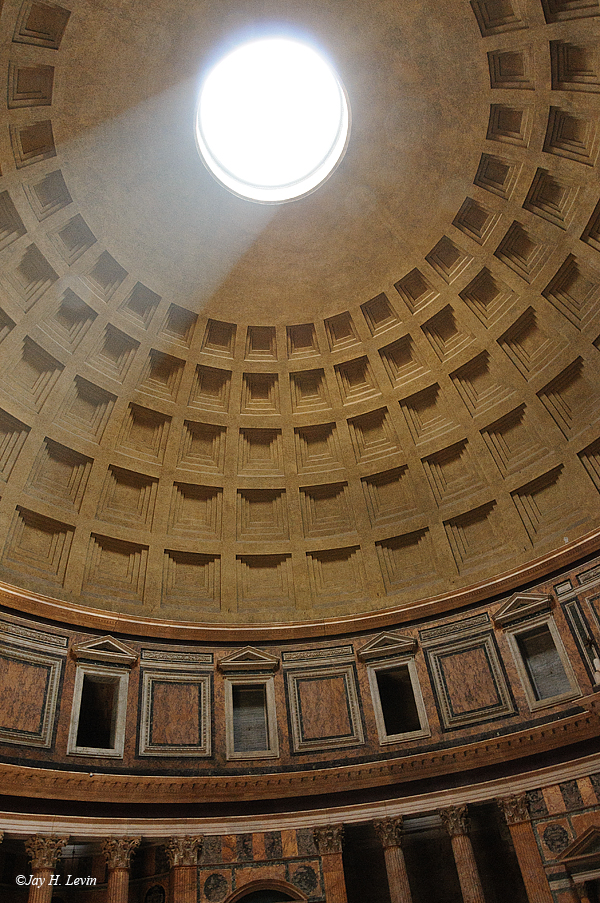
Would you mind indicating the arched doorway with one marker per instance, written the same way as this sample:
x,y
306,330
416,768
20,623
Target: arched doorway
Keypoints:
x,y
267,891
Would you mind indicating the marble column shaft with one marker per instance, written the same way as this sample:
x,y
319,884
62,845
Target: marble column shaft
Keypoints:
x,y
516,813
328,841
456,822
389,831
118,852
44,853
183,859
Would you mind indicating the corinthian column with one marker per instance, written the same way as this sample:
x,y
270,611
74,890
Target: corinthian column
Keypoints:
x,y
118,852
389,832
456,823
44,853
328,841
516,812
183,859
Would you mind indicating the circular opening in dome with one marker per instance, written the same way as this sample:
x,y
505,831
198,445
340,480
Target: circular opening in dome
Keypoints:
x,y
272,121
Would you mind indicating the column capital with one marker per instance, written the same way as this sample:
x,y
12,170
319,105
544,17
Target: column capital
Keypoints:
x,y
119,850
329,839
455,820
184,850
515,808
389,831
44,850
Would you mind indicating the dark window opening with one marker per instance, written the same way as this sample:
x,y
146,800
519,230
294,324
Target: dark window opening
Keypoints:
x,y
397,698
542,662
250,728
97,713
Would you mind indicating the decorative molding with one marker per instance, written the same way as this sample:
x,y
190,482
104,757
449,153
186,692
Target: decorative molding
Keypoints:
x,y
178,659
515,808
310,655
105,649
119,850
248,659
27,636
389,831
521,606
44,851
454,629
329,839
388,643
184,851
455,820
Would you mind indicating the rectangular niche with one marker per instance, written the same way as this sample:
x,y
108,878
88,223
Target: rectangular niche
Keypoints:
x,y
324,708
59,475
31,277
401,361
262,514
30,684
265,580
341,332
210,389
475,536
38,546
41,24
13,434
72,319
98,714
309,391
326,510
416,291
260,452
106,276
144,433
219,338
260,393
407,561
114,354
302,341
317,448
48,195
261,343
73,239
488,297
127,498
162,375
191,578
115,568
468,680
179,325
175,714
196,510
356,381
379,315
86,410
400,711
11,224
202,446
389,495
251,720
32,143
373,436
336,574
140,305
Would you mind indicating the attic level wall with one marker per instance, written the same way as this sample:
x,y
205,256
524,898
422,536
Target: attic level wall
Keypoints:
x,y
481,680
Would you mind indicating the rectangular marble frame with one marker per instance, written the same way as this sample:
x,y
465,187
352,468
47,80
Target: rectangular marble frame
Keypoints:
x,y
268,682
44,736
203,681
450,719
347,672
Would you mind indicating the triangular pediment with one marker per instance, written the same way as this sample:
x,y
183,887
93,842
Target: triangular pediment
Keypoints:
x,y
105,649
249,659
587,846
387,643
520,606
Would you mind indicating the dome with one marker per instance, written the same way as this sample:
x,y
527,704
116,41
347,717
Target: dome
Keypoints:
x,y
341,423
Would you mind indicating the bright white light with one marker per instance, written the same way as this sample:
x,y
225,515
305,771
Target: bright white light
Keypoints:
x,y
272,120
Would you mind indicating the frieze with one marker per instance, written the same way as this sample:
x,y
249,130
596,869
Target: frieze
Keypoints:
x,y
456,628
190,658
30,637
309,655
